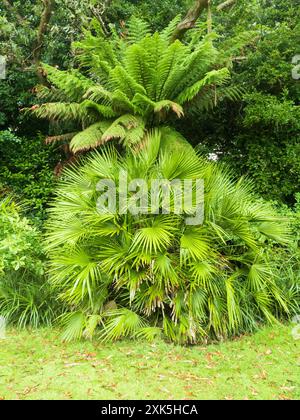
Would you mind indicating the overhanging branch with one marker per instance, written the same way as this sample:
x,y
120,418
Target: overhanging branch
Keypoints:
x,y
226,4
190,19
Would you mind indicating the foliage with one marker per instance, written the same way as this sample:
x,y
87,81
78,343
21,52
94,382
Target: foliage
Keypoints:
x,y
259,136
261,66
25,297
266,147
27,170
288,259
151,275
136,82
19,24
157,13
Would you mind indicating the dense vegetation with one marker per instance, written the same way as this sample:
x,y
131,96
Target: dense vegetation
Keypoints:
x,y
25,295
96,87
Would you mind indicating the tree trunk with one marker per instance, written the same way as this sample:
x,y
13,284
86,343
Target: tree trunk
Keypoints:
x,y
13,10
45,18
99,13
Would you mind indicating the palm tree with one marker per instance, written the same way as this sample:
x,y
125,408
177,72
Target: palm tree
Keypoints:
x,y
136,82
146,275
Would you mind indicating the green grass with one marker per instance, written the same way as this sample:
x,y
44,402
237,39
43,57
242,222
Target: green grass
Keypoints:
x,y
37,365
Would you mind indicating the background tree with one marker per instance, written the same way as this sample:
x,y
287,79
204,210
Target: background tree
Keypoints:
x,y
259,135
32,32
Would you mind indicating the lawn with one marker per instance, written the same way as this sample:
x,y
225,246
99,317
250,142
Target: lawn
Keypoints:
x,y
37,365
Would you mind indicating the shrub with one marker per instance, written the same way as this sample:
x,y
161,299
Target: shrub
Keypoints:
x,y
287,259
27,170
25,296
148,275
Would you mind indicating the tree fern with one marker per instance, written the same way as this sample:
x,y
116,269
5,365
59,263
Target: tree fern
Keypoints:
x,y
140,74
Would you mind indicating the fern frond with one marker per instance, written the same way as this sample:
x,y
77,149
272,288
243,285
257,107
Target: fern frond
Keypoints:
x,y
123,81
58,111
52,94
137,30
105,111
166,105
196,65
61,137
144,103
114,131
137,65
211,96
217,77
135,135
168,32
121,103
72,83
90,138
96,46
231,93
167,71
98,94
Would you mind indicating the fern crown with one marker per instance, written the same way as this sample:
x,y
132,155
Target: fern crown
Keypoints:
x,y
132,84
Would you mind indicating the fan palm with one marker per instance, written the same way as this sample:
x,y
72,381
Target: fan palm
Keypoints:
x,y
132,84
146,275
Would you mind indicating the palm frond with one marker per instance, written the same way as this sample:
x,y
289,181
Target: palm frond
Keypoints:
x,y
121,323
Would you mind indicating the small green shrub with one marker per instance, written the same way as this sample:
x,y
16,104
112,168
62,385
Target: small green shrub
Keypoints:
x,y
27,170
26,298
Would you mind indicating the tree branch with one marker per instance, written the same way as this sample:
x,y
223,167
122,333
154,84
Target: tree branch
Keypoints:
x,y
99,12
209,17
226,4
190,19
20,19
